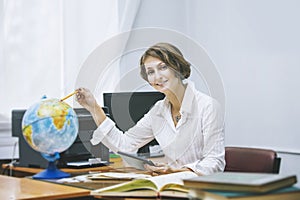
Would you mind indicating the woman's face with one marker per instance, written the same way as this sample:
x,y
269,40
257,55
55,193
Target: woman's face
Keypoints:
x,y
160,76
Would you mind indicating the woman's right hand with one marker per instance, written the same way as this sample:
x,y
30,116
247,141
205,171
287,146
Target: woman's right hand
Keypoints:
x,y
86,99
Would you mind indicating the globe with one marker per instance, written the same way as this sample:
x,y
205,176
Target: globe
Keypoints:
x,y
50,127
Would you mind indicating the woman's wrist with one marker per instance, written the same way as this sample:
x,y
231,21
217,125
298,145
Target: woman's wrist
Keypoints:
x,y
183,169
98,114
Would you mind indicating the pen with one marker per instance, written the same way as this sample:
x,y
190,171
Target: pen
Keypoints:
x,y
69,95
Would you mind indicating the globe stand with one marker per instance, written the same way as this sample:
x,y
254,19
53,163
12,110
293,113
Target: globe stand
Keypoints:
x,y
51,172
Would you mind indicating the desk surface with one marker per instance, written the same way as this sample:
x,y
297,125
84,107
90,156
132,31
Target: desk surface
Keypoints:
x,y
116,164
25,188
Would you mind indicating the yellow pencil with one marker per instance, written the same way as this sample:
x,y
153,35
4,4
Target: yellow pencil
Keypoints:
x,y
69,95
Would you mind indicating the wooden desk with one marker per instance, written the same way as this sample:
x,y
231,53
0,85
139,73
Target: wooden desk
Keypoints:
x,y
25,188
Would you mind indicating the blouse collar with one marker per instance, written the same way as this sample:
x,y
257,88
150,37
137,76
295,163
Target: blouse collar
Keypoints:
x,y
187,102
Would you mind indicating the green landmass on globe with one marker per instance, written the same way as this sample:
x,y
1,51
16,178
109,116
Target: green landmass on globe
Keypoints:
x,y
50,126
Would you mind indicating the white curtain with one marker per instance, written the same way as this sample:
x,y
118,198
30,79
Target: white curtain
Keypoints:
x,y
44,43
32,45
107,82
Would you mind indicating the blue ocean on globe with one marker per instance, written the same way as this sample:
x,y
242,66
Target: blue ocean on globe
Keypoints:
x,y
50,126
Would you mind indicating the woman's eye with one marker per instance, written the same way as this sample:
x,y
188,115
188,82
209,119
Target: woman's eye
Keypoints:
x,y
150,72
163,67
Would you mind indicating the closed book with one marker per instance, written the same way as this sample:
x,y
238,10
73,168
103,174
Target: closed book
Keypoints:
x,y
240,181
288,193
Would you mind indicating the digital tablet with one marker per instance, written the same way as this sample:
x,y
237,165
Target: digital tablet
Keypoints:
x,y
135,161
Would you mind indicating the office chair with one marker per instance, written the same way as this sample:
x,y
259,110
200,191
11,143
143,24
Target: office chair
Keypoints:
x,y
245,159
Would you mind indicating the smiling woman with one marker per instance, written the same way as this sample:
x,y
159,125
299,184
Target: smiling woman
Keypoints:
x,y
170,120
171,57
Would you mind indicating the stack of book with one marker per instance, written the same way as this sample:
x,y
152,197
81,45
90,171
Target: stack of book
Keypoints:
x,y
243,186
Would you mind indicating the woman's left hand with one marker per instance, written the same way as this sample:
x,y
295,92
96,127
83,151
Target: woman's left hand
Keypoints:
x,y
163,168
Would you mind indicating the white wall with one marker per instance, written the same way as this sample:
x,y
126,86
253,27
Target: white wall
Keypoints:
x,y
255,47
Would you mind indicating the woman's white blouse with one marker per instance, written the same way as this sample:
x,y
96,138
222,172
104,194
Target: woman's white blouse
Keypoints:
x,y
197,142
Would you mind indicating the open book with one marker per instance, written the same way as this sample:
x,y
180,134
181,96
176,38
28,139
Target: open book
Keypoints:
x,y
163,185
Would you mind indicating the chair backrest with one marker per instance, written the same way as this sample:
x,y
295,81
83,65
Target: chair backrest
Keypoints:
x,y
244,159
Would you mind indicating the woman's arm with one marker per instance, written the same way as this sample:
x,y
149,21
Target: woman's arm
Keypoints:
x,y
213,150
108,133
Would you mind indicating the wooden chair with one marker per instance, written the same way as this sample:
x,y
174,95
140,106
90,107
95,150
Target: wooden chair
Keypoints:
x,y
244,159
